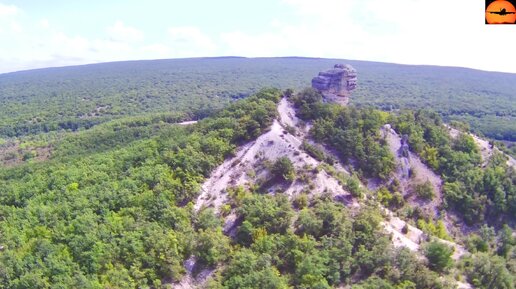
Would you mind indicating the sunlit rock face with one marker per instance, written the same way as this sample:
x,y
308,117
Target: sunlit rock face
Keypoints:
x,y
336,84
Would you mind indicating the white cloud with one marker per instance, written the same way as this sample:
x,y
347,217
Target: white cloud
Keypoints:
x,y
439,32
70,46
58,49
15,27
189,41
156,51
326,29
443,33
8,10
44,23
326,9
241,44
8,22
123,33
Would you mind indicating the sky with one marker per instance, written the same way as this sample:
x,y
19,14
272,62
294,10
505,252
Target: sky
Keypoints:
x,y
36,34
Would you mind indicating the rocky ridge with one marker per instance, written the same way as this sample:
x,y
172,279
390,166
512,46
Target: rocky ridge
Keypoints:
x,y
279,142
336,84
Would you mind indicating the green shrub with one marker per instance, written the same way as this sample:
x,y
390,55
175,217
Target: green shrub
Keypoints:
x,y
301,201
384,196
290,129
283,169
314,152
353,185
425,190
439,256
225,210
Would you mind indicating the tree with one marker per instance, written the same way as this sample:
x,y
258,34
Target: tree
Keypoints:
x,y
506,241
264,211
430,155
288,92
466,143
353,185
488,272
374,283
308,223
117,277
310,271
250,270
425,190
306,101
439,256
476,244
212,246
384,196
283,169
206,219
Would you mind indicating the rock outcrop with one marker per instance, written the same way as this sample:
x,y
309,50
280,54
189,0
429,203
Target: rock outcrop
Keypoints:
x,y
336,84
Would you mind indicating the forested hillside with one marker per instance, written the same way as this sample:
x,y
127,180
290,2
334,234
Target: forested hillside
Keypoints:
x,y
113,207
82,96
99,183
118,217
479,193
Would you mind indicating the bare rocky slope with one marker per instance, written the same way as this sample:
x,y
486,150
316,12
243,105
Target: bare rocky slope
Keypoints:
x,y
412,164
245,167
284,139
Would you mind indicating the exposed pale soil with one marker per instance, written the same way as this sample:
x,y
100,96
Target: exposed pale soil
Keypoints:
x,y
414,236
11,154
187,122
420,174
247,166
277,142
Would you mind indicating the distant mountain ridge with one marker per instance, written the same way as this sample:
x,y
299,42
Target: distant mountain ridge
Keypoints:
x,y
70,97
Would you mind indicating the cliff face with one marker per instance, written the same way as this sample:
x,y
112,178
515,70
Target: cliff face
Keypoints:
x,y
336,84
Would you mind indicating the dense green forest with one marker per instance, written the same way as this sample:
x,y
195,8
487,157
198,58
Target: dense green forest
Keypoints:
x,y
479,194
99,181
118,217
113,208
484,196
352,132
82,96
327,247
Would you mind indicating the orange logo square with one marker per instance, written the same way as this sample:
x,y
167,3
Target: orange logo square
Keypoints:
x,y
500,12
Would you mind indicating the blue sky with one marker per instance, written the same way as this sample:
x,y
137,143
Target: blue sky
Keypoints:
x,y
37,34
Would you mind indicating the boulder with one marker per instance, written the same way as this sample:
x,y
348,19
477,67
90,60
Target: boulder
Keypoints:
x,y
336,82
404,147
